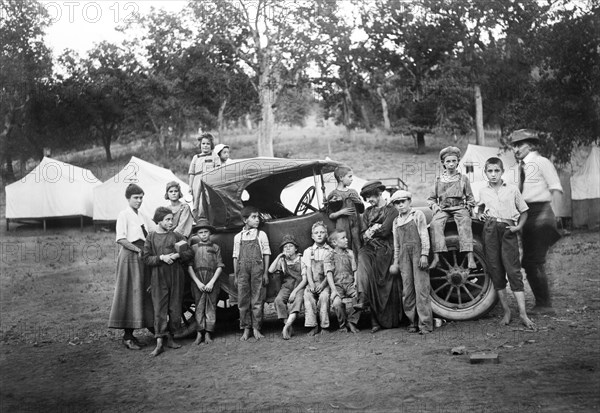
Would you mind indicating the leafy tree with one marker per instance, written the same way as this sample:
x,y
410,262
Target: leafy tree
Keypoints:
x,y
273,40
25,69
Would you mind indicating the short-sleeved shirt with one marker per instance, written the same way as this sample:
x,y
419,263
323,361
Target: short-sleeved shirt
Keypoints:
x,y
345,273
540,178
203,163
315,252
129,225
504,201
248,235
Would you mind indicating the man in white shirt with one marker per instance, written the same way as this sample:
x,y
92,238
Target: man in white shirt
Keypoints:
x,y
539,184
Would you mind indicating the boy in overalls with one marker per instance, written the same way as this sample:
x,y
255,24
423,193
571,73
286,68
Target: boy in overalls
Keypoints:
x,y
316,295
340,267
251,255
451,197
205,271
411,249
293,283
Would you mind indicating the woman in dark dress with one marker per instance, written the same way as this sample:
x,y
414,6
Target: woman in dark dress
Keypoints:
x,y
376,286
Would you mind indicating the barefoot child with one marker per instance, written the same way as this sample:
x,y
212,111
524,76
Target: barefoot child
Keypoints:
x,y
451,197
316,295
251,256
207,267
345,206
411,249
340,267
293,283
167,277
504,213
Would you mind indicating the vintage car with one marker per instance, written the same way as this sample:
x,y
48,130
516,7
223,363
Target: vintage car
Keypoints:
x,y
290,193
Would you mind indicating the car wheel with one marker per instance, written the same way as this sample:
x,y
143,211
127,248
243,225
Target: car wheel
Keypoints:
x,y
457,292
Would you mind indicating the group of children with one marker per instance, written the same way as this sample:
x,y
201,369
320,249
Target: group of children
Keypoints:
x,y
323,275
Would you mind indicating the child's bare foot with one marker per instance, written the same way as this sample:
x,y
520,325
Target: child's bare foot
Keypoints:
x,y
314,331
353,328
375,328
159,347
506,319
471,259
257,334
527,322
157,351
324,331
435,261
246,335
198,338
287,331
172,343
342,329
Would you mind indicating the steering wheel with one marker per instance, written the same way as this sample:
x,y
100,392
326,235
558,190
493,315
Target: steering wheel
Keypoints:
x,y
305,202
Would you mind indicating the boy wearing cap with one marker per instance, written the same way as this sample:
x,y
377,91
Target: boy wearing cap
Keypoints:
x,y
504,211
340,267
540,185
294,280
167,278
451,197
411,249
204,272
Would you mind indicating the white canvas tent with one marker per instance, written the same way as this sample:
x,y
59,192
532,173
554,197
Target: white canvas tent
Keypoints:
x,y
585,191
53,189
109,198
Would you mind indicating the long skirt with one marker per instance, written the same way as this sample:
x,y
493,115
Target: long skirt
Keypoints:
x,y
132,304
382,289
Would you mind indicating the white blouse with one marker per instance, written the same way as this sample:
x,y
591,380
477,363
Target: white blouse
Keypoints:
x,y
129,225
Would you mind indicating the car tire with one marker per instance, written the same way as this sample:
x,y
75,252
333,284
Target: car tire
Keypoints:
x,y
458,293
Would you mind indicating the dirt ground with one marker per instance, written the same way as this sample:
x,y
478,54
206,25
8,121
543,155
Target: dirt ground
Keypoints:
x,y
56,353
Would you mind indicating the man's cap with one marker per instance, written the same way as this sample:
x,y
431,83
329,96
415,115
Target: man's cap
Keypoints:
x,y
450,150
203,224
288,239
400,195
523,135
370,186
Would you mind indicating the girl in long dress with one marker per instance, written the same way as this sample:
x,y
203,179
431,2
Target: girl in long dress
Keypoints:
x,y
201,163
131,307
376,286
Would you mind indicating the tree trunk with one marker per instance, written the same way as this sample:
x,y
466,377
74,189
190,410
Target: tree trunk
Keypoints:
x,y
106,144
479,132
10,173
365,117
221,118
387,126
248,121
420,142
267,121
348,109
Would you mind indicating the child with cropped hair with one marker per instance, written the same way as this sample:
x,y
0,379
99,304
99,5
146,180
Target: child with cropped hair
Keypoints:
x,y
340,267
251,256
294,280
451,197
345,206
316,295
504,211
167,277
